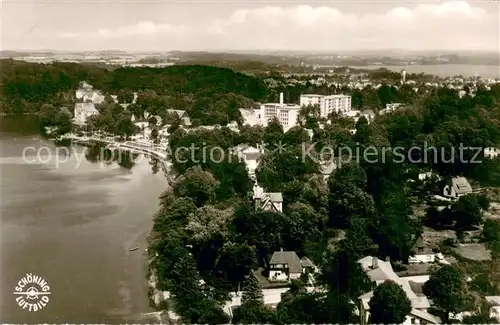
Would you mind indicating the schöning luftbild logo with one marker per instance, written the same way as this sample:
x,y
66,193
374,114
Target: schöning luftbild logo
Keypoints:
x,y
32,292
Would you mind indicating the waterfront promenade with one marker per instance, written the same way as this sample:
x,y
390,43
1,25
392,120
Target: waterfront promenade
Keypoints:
x,y
156,151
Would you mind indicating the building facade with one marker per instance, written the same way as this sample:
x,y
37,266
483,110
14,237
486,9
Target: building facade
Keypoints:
x,y
286,114
286,266
327,104
267,201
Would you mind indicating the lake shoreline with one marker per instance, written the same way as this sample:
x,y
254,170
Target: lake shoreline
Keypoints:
x,y
79,235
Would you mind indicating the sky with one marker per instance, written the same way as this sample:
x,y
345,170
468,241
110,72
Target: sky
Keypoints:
x,y
154,25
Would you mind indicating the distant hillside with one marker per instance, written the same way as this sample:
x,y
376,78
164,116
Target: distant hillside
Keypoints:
x,y
211,95
214,56
190,79
11,54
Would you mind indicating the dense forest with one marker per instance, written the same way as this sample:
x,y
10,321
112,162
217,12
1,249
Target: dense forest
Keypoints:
x,y
210,95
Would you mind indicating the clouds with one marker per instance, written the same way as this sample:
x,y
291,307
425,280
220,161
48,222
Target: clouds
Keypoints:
x,y
454,25
140,29
143,28
441,25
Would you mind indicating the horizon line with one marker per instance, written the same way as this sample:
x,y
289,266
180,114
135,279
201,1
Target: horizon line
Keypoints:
x,y
243,51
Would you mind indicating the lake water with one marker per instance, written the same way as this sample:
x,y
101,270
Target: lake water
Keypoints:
x,y
444,70
73,225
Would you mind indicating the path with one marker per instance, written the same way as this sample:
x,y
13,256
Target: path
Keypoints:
x,y
146,148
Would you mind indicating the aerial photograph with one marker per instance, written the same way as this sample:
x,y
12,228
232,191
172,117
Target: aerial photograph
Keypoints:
x,y
249,162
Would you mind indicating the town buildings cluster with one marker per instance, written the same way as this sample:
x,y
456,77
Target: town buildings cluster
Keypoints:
x,y
360,81
285,266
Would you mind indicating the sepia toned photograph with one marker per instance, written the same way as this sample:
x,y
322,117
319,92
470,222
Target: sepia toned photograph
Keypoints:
x,y
249,162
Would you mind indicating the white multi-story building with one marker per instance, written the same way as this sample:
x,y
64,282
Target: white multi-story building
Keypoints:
x,y
83,111
327,104
86,94
311,99
287,114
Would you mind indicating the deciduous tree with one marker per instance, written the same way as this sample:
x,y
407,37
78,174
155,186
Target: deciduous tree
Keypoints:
x,y
447,289
196,184
389,304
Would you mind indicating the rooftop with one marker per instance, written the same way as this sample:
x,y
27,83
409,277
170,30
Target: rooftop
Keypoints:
x,y
461,185
306,262
275,197
287,257
180,113
88,107
421,247
381,271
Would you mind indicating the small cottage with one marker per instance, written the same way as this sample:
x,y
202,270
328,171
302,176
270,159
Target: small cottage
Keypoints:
x,y
267,201
181,115
421,253
459,186
286,266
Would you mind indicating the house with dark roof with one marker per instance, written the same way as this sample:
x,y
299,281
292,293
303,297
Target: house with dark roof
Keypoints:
x,y
181,115
457,187
286,266
422,253
267,201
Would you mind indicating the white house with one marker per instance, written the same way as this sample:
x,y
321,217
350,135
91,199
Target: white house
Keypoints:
x,y
458,187
491,152
380,271
425,176
250,156
267,201
286,266
421,253
233,126
327,169
327,104
369,115
145,129
272,298
389,108
83,111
